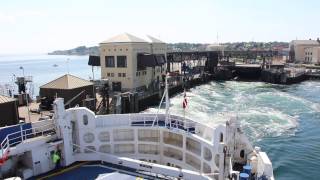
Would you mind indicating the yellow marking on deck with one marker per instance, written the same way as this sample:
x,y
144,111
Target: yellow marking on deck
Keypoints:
x,y
62,171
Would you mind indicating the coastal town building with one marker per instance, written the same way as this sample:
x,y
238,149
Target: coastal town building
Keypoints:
x,y
316,55
8,111
132,63
305,51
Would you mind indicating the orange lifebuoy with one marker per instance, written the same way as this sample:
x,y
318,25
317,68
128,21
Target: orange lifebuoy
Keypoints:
x,y
5,157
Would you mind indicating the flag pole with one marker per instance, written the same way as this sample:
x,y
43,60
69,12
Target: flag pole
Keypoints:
x,y
167,100
184,105
184,118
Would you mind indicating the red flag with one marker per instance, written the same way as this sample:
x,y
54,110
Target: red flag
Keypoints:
x,y
185,102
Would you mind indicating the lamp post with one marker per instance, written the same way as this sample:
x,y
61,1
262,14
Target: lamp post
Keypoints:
x,y
68,65
26,95
22,70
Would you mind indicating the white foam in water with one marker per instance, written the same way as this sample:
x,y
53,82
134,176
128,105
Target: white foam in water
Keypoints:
x,y
271,122
312,106
213,104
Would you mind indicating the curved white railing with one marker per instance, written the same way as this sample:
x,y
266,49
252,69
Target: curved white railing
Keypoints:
x,y
143,166
37,129
146,120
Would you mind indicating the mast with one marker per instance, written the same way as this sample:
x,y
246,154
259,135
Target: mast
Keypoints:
x,y
167,100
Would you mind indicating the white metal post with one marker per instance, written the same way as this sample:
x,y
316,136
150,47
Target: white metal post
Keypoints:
x,y
21,133
27,100
68,65
167,100
92,73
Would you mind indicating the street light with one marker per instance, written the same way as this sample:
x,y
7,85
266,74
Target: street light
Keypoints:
x,y
27,98
68,65
22,70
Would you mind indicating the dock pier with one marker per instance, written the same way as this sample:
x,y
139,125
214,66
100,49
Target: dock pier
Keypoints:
x,y
140,101
189,69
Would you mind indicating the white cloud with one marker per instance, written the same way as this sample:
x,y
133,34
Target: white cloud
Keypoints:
x,y
7,19
11,18
29,13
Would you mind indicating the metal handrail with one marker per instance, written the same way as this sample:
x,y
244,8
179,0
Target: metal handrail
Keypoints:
x,y
73,98
184,124
23,135
145,119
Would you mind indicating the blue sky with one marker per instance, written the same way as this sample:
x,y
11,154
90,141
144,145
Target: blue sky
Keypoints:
x,y
39,26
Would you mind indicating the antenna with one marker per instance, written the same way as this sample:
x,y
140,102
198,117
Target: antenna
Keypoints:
x,y
68,65
165,95
167,99
217,38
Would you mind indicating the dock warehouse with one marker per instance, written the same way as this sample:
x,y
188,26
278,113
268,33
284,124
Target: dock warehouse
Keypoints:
x,y
73,89
8,111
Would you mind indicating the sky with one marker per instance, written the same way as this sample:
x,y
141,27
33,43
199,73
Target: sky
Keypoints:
x,y
41,26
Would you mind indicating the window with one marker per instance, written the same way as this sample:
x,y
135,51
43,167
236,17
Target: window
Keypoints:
x,y
109,61
112,74
121,74
137,73
108,74
242,153
85,119
121,61
221,137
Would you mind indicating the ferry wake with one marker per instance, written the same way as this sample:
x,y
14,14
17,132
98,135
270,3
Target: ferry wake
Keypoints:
x,y
122,146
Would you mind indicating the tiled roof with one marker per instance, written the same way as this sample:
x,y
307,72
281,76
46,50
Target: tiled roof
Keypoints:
x,y
154,40
5,99
67,82
307,42
124,38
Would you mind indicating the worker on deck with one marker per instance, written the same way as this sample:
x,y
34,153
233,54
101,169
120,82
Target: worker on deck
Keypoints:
x,y
56,159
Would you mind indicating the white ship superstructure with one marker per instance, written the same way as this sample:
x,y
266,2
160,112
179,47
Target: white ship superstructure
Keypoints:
x,y
155,144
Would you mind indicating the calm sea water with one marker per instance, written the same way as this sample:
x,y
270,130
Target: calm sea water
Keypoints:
x,y
283,119
43,68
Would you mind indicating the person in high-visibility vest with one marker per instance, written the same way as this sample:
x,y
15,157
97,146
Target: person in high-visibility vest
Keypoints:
x,y
56,159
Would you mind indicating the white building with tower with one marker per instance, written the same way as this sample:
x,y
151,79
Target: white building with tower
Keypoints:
x,y
132,63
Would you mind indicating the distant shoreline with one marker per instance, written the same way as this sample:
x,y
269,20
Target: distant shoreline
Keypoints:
x,y
79,51
236,46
